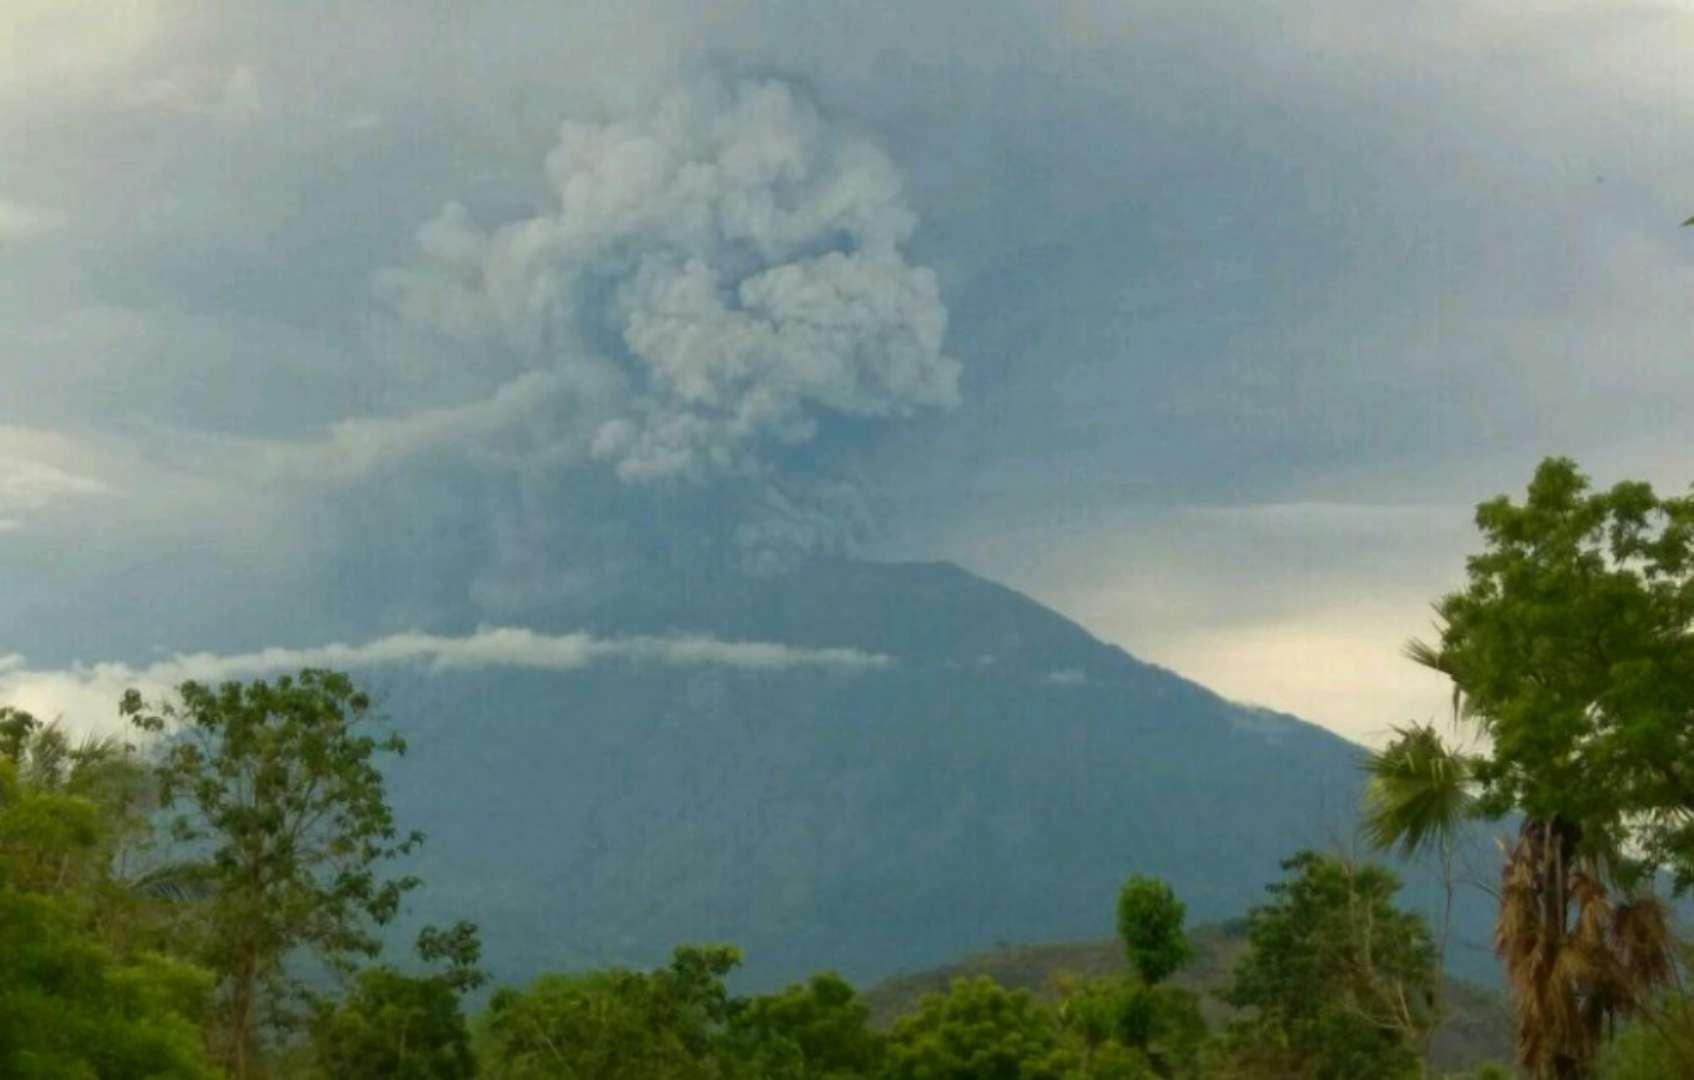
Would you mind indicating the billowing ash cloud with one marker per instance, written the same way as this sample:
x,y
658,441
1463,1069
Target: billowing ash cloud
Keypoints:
x,y
86,696
711,282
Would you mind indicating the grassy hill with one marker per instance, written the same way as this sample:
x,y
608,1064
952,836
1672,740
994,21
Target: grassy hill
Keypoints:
x,y
1478,1030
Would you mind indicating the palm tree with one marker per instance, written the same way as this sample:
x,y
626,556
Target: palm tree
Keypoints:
x,y
1578,958
1418,794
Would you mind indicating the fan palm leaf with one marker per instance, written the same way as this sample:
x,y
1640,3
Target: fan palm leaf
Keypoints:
x,y
1418,792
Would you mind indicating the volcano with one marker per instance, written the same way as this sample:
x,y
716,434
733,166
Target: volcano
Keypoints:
x,y
993,780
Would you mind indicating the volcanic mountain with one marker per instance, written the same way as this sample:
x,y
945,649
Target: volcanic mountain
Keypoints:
x,y
990,773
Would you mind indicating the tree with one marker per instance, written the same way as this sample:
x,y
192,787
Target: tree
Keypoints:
x,y
1339,982
1150,919
69,1005
71,1010
978,1030
405,1027
1123,1027
1138,1019
818,1030
615,1024
1418,796
1571,653
276,784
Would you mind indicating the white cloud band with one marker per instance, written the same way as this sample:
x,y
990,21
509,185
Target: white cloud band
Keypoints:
x,y
86,696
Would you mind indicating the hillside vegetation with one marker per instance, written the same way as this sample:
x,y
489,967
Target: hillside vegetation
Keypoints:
x,y
1477,1031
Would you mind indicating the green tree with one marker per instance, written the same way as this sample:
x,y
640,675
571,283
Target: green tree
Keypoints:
x,y
70,1007
615,1024
1138,1019
1338,982
276,784
1571,653
818,1030
405,1027
1150,919
978,1030
1119,1026
70,1010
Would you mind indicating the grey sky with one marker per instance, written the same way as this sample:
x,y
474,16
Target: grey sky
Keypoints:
x,y
1204,323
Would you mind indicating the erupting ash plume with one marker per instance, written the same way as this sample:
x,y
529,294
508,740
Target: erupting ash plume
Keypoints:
x,y
714,279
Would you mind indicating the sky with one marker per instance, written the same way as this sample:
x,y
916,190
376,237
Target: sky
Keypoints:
x,y
1205,324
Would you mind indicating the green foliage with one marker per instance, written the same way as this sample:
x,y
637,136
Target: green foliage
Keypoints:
x,y
1338,982
1571,649
1639,1053
460,947
398,1026
407,1027
1659,1043
69,1010
277,782
818,1030
614,1024
977,1031
70,1007
1150,919
1417,792
73,813
1158,1028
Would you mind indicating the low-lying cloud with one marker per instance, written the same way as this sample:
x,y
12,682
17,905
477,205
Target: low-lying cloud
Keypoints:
x,y
86,696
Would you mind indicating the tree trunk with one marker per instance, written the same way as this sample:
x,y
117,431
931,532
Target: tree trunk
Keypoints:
x,y
241,1016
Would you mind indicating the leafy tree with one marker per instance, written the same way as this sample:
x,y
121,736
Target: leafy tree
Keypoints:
x,y
978,1030
69,1009
277,784
615,1024
1571,652
405,1027
818,1030
1118,1026
1339,982
1138,1020
69,1006
1150,919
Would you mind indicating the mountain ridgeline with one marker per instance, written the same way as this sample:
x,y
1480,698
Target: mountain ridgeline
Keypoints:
x,y
994,781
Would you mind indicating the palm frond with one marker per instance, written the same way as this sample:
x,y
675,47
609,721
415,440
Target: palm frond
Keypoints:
x,y
1417,792
178,882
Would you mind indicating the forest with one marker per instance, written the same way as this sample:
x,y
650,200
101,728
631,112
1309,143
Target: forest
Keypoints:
x,y
208,896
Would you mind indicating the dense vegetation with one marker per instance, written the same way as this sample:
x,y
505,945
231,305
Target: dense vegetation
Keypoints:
x,y
210,899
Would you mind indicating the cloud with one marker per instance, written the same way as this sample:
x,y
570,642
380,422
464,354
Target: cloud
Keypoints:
x,y
730,262
86,695
231,96
23,221
29,487
49,48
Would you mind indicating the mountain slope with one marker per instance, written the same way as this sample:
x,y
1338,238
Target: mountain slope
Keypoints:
x,y
995,781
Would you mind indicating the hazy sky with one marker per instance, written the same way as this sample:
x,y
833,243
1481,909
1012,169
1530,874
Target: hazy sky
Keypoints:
x,y
1205,323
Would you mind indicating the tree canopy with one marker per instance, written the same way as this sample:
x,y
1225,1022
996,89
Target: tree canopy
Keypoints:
x,y
275,783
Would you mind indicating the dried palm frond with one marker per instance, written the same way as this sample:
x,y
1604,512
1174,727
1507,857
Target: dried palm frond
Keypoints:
x,y
1643,942
1577,959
